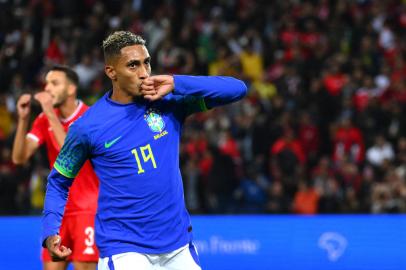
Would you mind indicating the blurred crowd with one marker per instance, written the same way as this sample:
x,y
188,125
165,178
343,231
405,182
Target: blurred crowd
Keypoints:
x,y
322,130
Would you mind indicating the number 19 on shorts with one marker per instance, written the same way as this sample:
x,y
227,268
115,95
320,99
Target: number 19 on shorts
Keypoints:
x,y
147,156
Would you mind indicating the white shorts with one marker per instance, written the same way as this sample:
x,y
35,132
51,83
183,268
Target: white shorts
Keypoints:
x,y
184,258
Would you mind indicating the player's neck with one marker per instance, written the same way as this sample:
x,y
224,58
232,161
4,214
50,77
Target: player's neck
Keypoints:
x,y
122,97
68,107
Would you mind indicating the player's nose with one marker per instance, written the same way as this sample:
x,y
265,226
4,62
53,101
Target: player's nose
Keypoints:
x,y
143,72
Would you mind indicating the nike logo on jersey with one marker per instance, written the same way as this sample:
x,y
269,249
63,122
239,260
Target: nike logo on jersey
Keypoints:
x,y
109,144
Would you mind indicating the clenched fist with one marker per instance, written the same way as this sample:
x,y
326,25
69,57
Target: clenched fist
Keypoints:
x,y
45,99
57,251
24,106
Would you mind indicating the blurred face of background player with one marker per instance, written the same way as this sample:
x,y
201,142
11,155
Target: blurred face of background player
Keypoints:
x,y
59,87
128,69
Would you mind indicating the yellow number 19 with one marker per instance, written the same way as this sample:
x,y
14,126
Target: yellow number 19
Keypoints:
x,y
146,153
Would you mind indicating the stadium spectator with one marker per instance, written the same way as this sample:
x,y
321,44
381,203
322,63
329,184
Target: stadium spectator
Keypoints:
x,y
348,142
380,151
306,199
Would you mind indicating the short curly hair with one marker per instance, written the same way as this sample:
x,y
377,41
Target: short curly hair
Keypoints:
x,y
118,40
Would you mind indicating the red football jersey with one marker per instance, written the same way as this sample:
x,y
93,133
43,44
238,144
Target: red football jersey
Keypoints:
x,y
84,190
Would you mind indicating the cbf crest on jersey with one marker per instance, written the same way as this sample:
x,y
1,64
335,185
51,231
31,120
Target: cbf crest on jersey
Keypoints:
x,y
154,120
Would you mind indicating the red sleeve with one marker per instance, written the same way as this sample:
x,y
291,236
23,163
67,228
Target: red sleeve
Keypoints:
x,y
38,129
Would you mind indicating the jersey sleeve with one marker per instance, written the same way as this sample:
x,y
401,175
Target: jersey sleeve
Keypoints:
x,y
37,130
54,204
194,104
205,92
74,152
72,156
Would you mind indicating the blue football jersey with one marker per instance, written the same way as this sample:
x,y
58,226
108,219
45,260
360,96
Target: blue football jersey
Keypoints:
x,y
134,150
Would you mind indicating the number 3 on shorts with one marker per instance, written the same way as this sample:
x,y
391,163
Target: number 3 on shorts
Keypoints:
x,y
89,241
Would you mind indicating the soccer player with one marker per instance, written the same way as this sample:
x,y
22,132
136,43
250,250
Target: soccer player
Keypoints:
x,y
60,109
132,136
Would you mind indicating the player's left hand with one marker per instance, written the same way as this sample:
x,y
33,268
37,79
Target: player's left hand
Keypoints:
x,y
57,251
156,87
45,99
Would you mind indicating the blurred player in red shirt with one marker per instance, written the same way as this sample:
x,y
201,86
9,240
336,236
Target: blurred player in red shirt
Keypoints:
x,y
60,109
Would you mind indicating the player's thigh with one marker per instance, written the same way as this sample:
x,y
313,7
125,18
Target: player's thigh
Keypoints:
x,y
85,265
187,259
125,261
83,243
49,265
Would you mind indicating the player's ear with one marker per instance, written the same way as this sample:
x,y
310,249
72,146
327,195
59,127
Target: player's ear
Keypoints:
x,y
110,72
72,89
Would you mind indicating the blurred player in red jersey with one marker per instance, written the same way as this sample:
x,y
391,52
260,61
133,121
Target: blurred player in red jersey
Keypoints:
x,y
60,109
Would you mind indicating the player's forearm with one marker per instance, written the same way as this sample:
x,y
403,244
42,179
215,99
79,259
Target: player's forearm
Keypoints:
x,y
54,204
18,153
57,128
216,90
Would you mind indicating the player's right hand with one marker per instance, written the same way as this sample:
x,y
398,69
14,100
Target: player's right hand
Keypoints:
x,y
23,106
56,250
157,86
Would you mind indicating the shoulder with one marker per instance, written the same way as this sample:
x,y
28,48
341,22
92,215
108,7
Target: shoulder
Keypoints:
x,y
91,118
40,116
91,113
79,126
40,119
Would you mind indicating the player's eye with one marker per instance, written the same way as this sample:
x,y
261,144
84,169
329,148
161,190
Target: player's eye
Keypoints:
x,y
133,64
